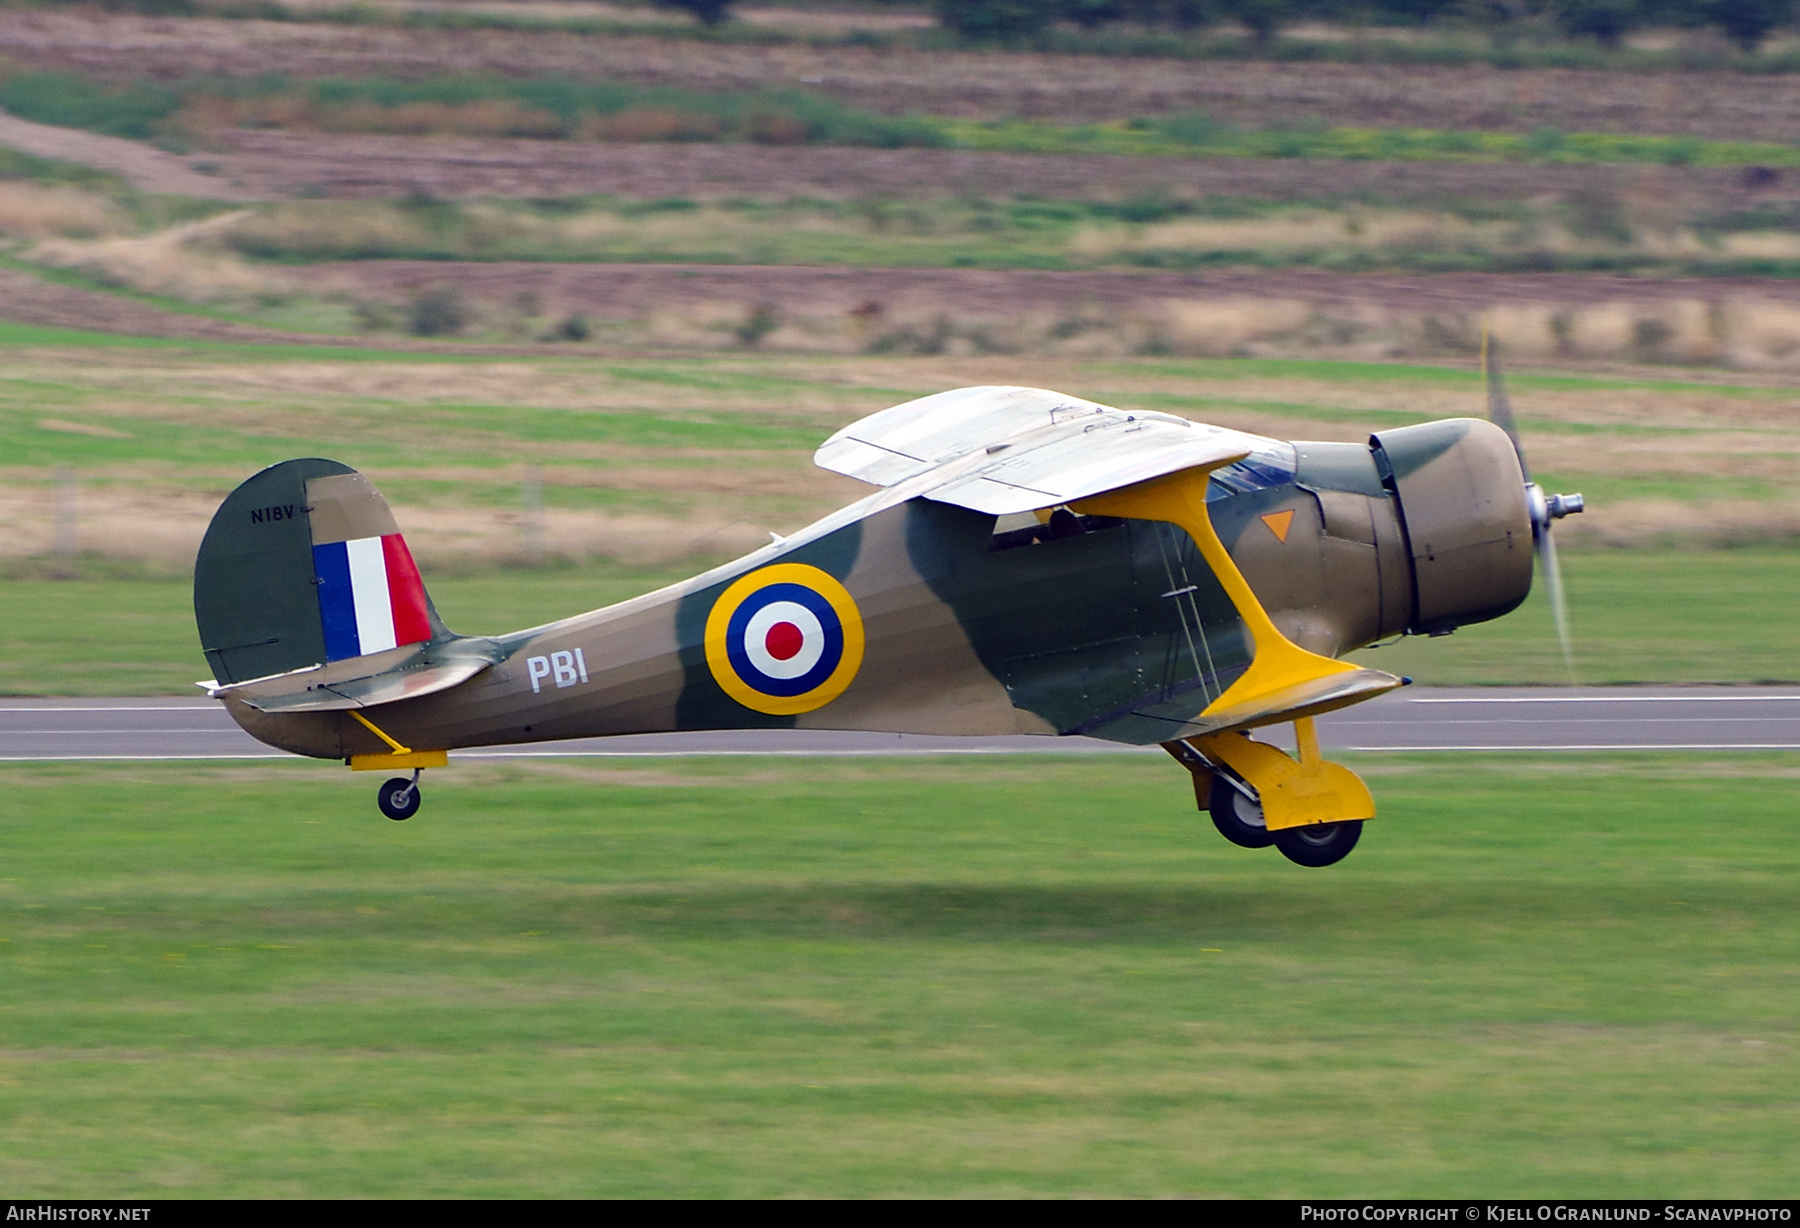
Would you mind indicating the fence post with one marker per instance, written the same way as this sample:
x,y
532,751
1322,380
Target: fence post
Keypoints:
x,y
64,540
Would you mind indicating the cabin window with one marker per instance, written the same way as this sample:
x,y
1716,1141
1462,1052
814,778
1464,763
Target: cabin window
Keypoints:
x,y
1274,464
1026,529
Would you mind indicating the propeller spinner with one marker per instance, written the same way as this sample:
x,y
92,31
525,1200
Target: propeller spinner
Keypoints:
x,y
1544,508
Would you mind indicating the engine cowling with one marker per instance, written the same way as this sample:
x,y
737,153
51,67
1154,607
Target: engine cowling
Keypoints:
x,y
1464,510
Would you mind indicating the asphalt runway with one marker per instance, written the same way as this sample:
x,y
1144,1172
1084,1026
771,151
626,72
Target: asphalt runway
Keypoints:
x,y
1415,719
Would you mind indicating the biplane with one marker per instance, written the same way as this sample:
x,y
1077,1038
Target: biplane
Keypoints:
x,y
1028,562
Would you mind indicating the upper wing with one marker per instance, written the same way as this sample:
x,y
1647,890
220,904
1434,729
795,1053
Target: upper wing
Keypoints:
x,y
1002,450
1005,450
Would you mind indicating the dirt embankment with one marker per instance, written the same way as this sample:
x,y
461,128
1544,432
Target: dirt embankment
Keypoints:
x,y
868,297
1744,323
145,167
272,165
26,300
1065,88
626,291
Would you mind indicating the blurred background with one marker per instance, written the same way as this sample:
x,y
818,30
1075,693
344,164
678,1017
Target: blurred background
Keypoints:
x,y
581,285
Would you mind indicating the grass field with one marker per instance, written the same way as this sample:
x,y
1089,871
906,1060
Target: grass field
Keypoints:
x,y
1636,616
1647,227
193,108
1650,234
652,457
136,636
1547,977
655,466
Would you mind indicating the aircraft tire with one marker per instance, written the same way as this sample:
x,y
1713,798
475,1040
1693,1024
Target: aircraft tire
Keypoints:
x,y
399,799
1322,844
1231,811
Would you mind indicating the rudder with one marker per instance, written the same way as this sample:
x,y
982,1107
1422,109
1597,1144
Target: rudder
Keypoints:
x,y
303,564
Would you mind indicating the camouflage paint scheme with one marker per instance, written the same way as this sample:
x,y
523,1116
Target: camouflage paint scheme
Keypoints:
x,y
1056,622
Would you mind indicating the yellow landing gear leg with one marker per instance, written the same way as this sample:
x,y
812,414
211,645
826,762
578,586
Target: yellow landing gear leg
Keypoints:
x,y
399,797
1311,809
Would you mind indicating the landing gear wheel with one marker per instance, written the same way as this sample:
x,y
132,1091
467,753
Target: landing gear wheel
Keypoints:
x,y
1238,819
399,798
1320,844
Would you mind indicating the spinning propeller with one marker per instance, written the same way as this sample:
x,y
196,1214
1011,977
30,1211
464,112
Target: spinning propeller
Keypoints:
x,y
1544,508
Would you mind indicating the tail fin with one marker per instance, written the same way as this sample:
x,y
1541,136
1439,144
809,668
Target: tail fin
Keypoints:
x,y
303,564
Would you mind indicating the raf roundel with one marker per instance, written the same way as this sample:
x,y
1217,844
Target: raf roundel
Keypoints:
x,y
784,639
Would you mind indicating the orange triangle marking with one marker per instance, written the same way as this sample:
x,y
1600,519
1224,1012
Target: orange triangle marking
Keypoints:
x,y
1279,522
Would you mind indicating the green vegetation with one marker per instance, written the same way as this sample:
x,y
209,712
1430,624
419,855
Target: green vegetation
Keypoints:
x,y
1444,45
16,166
75,101
1195,133
1563,976
1155,230
1345,230
877,234
653,467
549,106
43,336
707,12
556,107
136,637
369,434
128,634
1605,22
1637,616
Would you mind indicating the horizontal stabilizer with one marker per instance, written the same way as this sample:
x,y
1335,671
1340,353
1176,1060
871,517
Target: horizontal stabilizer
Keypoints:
x,y
335,688
1003,450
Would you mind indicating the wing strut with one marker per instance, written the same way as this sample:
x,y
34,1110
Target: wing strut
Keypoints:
x,y
1284,683
1284,680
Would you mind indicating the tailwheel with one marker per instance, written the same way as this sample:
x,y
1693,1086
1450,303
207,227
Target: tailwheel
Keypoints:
x,y
399,798
1238,816
1319,844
